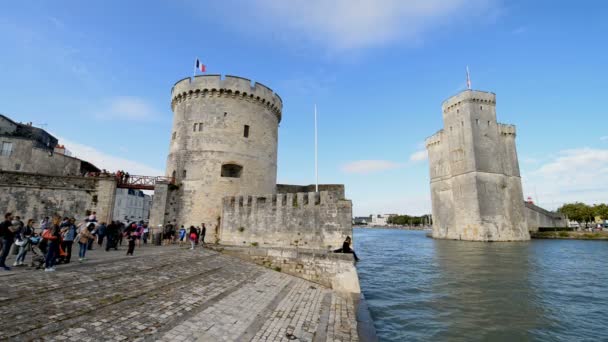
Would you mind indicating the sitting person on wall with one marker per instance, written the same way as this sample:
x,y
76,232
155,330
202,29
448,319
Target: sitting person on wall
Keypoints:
x,y
346,248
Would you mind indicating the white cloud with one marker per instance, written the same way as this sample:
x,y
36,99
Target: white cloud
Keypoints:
x,y
348,24
419,156
107,161
573,175
370,166
128,108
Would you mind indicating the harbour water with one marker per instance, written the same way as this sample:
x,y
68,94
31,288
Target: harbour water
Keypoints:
x,y
421,289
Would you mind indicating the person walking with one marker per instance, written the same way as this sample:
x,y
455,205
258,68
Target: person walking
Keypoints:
x,y
203,232
193,237
130,232
7,236
111,234
53,237
69,234
182,235
85,236
146,233
26,233
101,233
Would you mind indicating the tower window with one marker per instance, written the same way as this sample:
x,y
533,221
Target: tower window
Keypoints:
x,y
184,174
232,170
173,136
477,122
200,126
195,127
481,107
488,123
246,131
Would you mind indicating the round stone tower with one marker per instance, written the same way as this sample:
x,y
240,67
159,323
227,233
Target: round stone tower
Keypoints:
x,y
223,143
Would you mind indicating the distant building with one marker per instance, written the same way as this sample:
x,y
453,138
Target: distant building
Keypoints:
x,y
381,220
132,205
25,148
362,220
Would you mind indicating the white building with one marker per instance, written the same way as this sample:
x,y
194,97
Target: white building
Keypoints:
x,y
381,220
132,205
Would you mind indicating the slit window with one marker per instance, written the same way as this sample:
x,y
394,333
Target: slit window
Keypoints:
x,y
246,131
184,174
173,136
232,170
200,126
195,127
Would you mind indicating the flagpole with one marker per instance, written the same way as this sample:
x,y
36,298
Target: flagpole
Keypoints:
x,y
316,154
468,79
194,73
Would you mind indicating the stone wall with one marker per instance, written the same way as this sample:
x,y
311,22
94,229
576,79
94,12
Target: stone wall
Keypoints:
x,y
538,217
25,157
36,196
290,188
334,270
303,220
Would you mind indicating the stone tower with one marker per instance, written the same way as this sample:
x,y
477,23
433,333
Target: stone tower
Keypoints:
x,y
223,143
475,183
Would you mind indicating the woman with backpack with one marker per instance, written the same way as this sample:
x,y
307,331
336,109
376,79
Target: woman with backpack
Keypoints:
x,y
84,237
53,237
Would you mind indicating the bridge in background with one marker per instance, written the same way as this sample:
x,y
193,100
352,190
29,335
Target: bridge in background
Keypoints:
x,y
142,182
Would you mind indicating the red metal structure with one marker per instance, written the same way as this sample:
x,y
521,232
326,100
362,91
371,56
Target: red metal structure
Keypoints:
x,y
142,182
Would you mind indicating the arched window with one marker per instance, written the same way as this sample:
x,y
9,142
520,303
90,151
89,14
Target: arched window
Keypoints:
x,y
173,174
232,170
184,174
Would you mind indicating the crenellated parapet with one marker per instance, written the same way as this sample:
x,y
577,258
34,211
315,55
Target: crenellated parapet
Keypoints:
x,y
294,201
434,139
468,97
229,87
313,220
506,129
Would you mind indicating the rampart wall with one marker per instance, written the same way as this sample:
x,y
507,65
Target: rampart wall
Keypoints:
x,y
310,220
36,196
538,217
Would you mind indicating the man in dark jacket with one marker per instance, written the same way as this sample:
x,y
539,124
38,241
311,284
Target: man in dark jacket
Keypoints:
x,y
7,236
203,232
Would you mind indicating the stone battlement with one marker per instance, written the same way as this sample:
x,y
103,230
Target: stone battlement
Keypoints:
x,y
229,86
313,220
506,129
468,96
295,200
434,139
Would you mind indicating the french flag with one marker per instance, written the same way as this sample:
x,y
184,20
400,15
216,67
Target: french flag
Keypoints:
x,y
200,66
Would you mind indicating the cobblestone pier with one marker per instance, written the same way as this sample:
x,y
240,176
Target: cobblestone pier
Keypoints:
x,y
169,294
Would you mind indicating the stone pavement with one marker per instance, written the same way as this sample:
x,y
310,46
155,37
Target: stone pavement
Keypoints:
x,y
169,294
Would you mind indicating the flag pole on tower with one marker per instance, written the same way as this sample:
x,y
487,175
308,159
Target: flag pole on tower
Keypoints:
x,y
468,79
316,154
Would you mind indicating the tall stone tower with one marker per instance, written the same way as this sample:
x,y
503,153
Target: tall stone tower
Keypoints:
x,y
475,183
223,143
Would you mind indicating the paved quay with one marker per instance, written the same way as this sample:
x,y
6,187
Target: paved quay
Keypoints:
x,y
169,294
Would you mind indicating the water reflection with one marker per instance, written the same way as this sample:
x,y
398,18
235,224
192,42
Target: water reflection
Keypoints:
x,y
484,285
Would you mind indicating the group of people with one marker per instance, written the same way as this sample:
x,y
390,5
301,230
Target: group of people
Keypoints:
x,y
193,234
52,241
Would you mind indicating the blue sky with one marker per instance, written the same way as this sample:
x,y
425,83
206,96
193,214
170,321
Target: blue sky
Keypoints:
x,y
98,75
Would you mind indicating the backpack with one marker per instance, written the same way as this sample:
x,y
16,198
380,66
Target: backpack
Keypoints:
x,y
48,235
